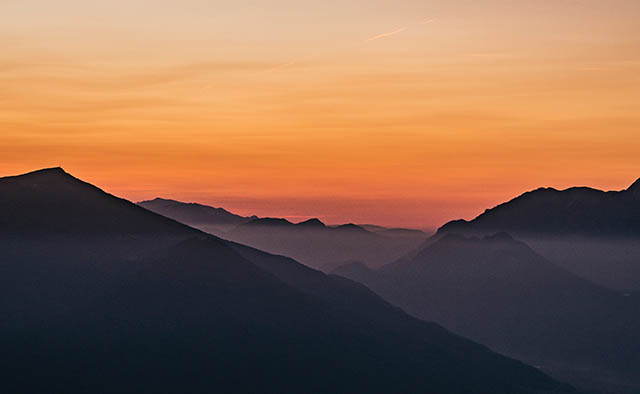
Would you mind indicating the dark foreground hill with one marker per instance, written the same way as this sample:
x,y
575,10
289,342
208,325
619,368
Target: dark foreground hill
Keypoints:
x,y
310,242
499,292
592,233
98,295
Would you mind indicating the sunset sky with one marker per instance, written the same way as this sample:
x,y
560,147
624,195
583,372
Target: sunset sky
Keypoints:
x,y
398,112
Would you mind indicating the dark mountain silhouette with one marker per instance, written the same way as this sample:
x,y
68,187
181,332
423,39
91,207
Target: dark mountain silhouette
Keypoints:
x,y
551,212
51,201
99,295
311,242
592,233
393,231
269,222
209,219
312,223
402,232
350,227
499,292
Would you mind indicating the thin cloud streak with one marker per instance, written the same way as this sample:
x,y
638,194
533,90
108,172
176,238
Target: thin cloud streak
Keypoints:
x,y
376,37
400,30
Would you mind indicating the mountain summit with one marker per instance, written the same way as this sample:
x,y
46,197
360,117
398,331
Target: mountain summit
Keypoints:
x,y
51,201
551,212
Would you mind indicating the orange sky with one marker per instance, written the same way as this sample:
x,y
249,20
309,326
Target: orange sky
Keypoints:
x,y
391,112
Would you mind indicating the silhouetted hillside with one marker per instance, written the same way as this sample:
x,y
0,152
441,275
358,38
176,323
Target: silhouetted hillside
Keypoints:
x,y
592,233
499,292
551,212
210,219
98,295
50,201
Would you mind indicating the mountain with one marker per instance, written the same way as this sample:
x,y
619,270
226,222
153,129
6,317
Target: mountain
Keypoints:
x,y
100,295
550,212
592,233
311,242
51,201
393,231
212,220
324,247
499,292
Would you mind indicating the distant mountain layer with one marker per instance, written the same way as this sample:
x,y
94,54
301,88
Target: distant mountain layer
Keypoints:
x,y
196,214
100,295
499,292
310,242
324,247
592,233
550,212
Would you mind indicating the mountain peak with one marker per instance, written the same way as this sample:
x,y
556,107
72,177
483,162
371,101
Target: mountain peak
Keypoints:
x,y
58,170
51,171
315,222
635,187
160,199
453,225
157,200
51,200
351,227
49,177
269,222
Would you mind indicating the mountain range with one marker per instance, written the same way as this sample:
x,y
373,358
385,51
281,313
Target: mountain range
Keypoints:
x,y
310,242
100,295
593,233
513,293
209,219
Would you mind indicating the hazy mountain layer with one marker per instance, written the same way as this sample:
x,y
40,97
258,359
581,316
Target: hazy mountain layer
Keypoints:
x,y
499,292
311,242
592,233
212,220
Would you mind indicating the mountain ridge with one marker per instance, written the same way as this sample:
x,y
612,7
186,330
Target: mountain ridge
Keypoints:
x,y
569,198
311,241
65,192
592,233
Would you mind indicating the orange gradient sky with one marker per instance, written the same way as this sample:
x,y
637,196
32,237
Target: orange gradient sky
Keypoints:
x,y
403,113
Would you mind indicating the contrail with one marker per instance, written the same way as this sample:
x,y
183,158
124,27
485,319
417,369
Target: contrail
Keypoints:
x,y
400,30
377,37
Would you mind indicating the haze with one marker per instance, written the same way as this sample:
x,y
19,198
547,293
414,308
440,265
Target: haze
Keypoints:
x,y
390,112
